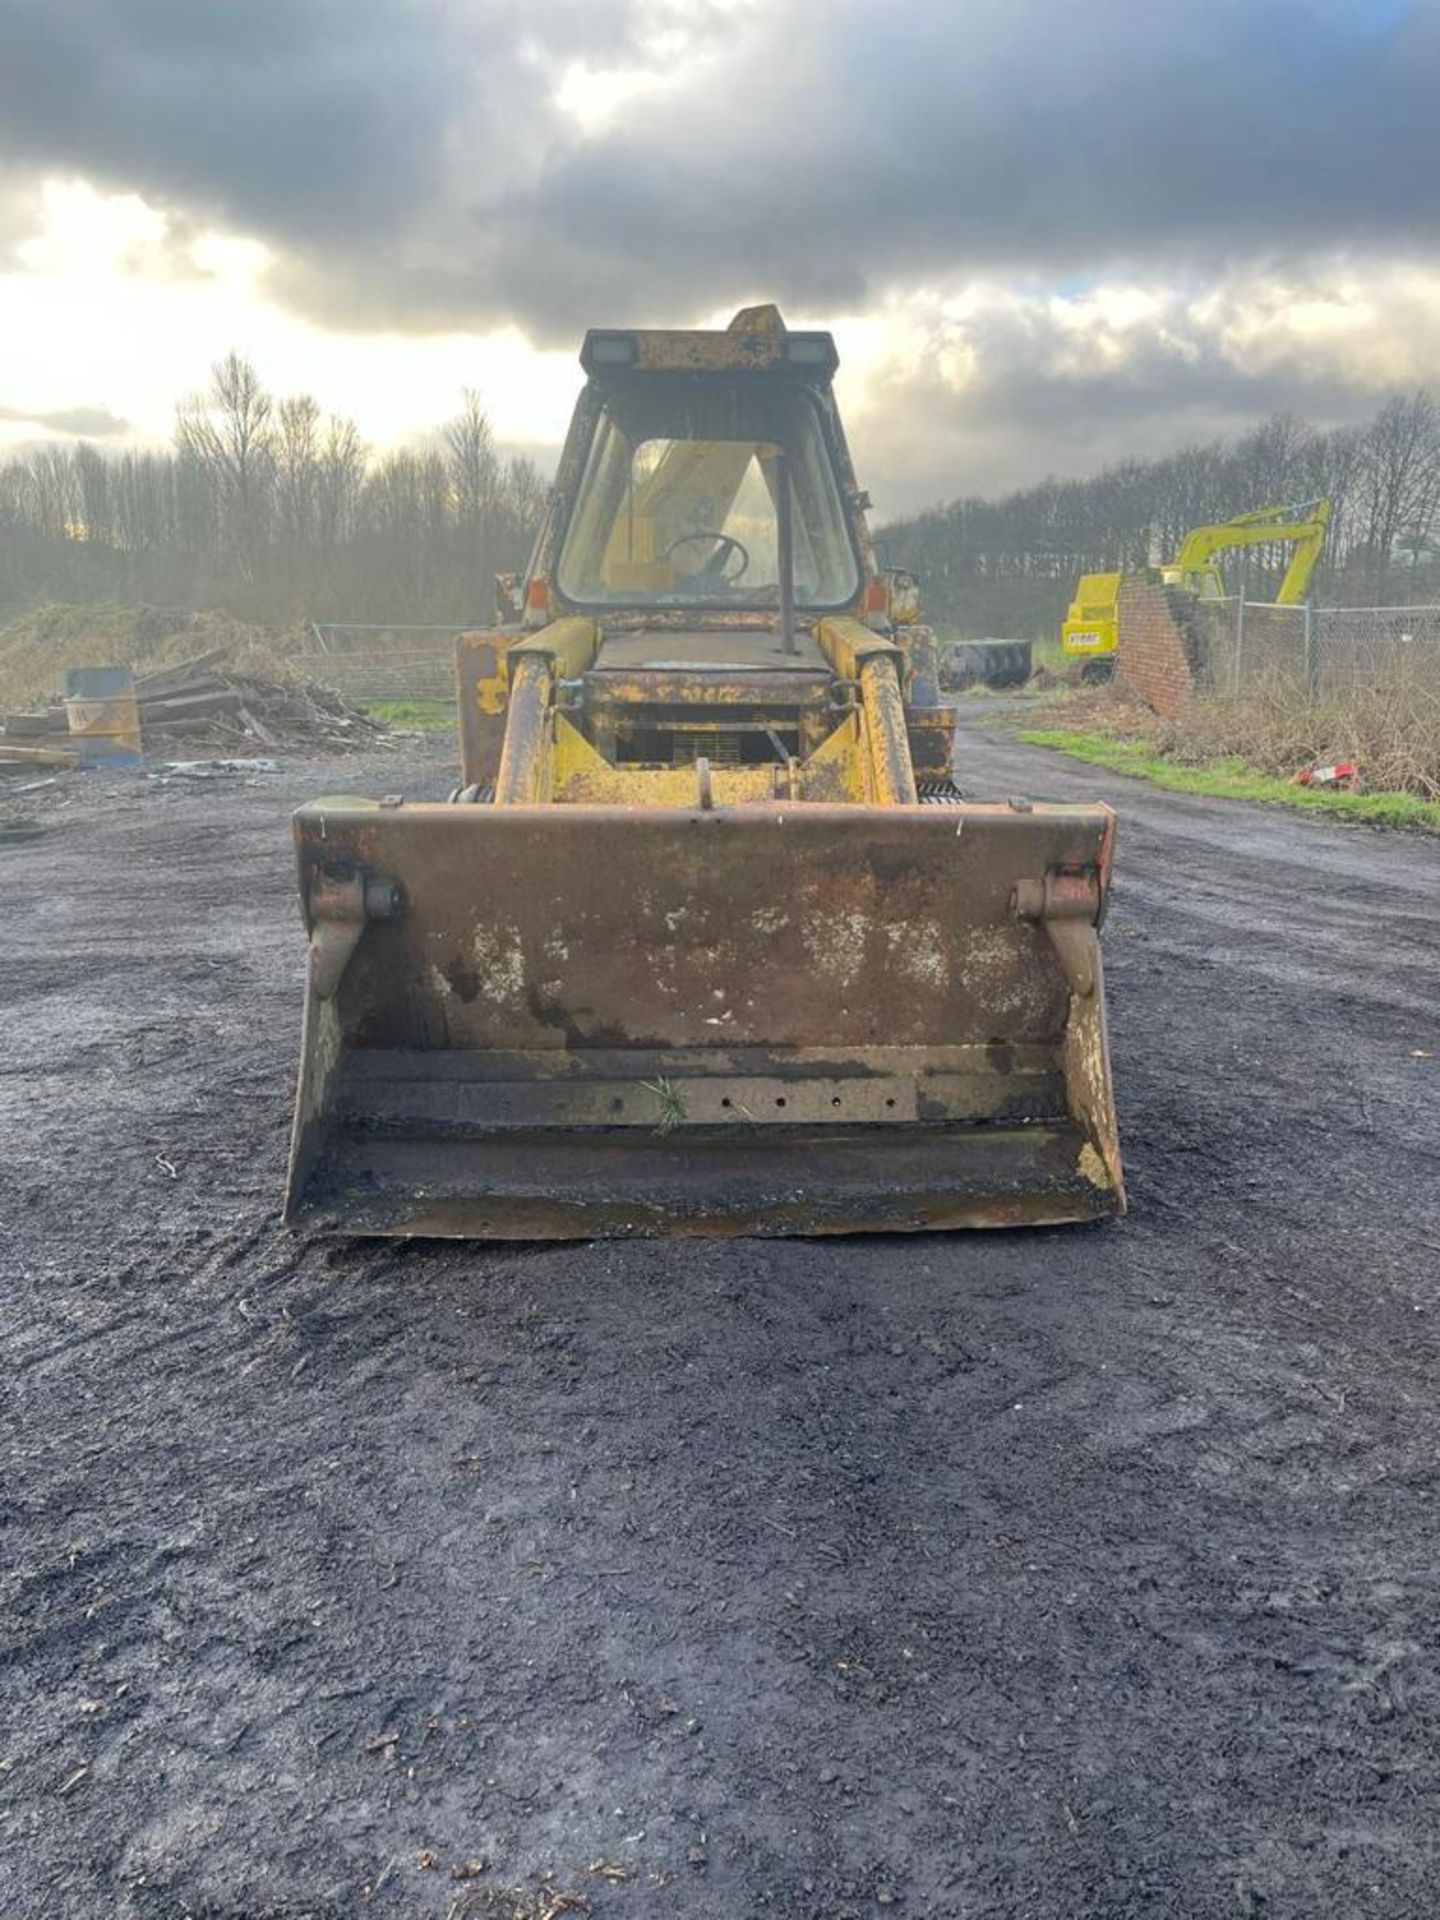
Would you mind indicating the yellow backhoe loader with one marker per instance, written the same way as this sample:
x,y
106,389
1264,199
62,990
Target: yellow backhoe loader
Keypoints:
x,y
1089,632
706,941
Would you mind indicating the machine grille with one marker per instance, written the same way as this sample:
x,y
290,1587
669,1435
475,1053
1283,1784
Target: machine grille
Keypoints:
x,y
715,744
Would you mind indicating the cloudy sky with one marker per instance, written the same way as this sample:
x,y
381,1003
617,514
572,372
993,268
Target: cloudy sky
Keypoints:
x,y
1046,232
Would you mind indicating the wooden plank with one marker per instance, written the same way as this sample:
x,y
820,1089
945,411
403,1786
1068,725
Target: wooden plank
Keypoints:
x,y
34,726
189,706
177,677
36,757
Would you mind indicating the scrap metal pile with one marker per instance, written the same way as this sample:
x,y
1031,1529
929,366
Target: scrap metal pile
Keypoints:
x,y
200,705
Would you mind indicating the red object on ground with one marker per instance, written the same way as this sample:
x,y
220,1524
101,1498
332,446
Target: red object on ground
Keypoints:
x,y
1344,773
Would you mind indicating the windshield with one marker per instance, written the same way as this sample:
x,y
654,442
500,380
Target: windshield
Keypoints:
x,y
677,506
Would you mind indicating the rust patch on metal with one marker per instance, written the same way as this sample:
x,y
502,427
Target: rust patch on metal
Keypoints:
x,y
771,957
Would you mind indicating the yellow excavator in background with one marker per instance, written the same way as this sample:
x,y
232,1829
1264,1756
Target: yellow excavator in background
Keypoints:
x,y
1089,632
1194,567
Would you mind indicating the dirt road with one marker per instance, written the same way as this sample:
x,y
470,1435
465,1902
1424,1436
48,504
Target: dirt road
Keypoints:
x,y
1090,1572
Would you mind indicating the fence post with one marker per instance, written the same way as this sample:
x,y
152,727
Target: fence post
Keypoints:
x,y
1311,676
1239,637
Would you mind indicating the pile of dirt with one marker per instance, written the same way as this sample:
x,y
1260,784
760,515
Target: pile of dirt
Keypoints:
x,y
1103,709
39,648
204,682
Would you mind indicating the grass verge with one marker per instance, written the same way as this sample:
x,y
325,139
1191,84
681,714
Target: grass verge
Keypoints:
x,y
1232,780
1050,657
422,716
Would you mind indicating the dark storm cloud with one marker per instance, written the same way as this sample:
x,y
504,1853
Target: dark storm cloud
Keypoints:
x,y
1034,369
926,444
408,164
892,144
285,120
1020,388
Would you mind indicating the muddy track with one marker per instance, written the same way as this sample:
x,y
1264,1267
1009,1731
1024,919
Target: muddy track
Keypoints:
x,y
1044,1574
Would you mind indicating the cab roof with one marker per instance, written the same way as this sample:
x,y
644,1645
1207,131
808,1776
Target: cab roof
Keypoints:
x,y
756,341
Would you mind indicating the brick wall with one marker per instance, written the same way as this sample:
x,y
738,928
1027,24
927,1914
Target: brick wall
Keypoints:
x,y
1157,656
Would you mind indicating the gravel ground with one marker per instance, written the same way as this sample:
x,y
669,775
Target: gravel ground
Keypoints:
x,y
1088,1572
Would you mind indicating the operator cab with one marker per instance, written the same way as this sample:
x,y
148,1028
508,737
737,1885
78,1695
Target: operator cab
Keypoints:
x,y
706,519
683,501
704,587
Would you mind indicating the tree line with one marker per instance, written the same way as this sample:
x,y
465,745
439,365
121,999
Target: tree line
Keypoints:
x,y
270,509
266,507
1008,565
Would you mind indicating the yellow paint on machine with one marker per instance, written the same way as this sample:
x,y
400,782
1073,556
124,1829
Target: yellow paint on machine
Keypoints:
x,y
706,941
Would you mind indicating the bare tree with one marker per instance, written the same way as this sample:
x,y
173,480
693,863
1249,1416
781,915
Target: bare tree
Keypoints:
x,y
1011,564
92,479
297,471
229,432
341,474
1399,476
474,465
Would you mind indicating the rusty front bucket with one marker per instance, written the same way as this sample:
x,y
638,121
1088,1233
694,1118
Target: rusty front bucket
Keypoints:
x,y
558,1022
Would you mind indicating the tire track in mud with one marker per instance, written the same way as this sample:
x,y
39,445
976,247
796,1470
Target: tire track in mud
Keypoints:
x,y
1056,1573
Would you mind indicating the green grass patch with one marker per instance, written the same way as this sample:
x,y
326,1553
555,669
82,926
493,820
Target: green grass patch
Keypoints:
x,y
424,716
1233,780
1051,656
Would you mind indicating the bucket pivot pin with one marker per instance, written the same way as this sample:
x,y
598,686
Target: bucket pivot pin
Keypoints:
x,y
1068,906
341,906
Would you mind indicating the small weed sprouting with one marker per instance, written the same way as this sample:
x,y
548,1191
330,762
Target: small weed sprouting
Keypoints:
x,y
672,1103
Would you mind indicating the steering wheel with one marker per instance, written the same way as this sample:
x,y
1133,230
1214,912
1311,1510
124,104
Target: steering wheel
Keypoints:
x,y
714,567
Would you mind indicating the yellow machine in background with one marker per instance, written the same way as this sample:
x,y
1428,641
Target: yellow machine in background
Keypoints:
x,y
1089,631
1194,567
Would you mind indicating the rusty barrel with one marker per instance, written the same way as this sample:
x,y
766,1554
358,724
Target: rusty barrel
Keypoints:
x,y
103,715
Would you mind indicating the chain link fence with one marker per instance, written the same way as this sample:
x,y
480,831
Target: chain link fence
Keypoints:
x,y
1241,642
1376,645
366,663
1322,650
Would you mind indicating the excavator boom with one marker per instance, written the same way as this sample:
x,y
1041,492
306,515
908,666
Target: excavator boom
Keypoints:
x,y
1303,527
